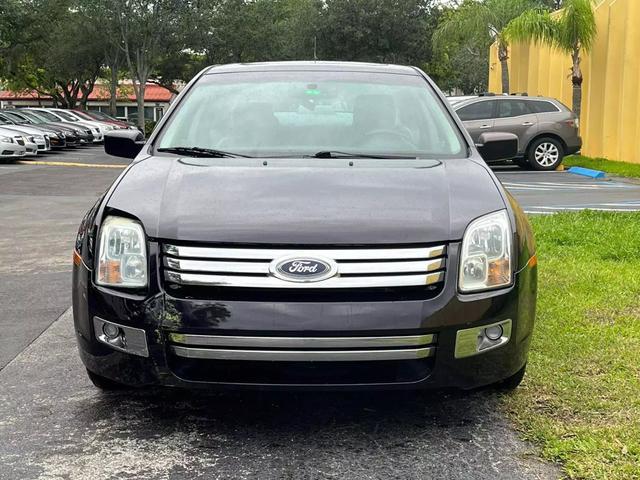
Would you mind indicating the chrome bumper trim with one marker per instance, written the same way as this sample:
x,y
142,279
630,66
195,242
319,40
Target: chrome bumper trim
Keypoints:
x,y
303,355
300,342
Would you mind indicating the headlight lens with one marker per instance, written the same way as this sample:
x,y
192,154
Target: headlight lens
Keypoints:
x,y
485,260
122,255
6,139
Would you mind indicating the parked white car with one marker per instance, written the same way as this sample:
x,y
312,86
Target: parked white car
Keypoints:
x,y
104,126
9,146
97,130
41,139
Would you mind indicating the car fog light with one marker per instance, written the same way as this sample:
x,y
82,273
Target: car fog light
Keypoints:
x,y
121,337
483,338
111,331
493,333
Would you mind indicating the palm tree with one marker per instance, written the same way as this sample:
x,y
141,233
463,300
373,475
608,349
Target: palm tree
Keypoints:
x,y
482,22
571,30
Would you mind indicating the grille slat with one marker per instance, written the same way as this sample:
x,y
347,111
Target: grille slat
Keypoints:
x,y
262,268
360,268
272,282
337,254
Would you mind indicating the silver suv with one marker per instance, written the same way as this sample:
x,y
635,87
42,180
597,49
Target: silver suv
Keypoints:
x,y
546,129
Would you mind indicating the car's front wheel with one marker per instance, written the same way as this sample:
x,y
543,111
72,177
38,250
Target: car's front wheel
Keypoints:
x,y
545,154
104,383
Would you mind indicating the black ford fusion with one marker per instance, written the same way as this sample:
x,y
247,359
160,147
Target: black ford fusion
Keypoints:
x,y
306,225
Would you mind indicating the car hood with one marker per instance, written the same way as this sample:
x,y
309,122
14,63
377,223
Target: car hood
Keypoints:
x,y
316,202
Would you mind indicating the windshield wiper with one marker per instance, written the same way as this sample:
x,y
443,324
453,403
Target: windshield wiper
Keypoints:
x,y
200,152
338,154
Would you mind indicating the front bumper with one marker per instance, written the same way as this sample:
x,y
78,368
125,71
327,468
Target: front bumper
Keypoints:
x,y
58,142
178,331
8,150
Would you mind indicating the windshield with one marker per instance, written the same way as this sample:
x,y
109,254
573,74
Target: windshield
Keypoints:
x,y
99,115
66,116
15,117
302,113
23,117
83,115
48,116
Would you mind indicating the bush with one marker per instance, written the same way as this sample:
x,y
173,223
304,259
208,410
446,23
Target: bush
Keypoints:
x,y
149,125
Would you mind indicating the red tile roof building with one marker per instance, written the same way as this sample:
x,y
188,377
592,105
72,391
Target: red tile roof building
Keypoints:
x,y
156,100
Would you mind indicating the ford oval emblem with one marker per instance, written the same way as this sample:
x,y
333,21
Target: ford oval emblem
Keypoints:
x,y
303,269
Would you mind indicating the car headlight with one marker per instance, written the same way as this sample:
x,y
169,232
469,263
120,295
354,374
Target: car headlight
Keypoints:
x,y
31,139
485,260
6,139
107,128
122,254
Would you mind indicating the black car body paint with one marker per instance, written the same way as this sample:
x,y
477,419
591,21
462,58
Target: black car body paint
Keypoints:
x,y
355,204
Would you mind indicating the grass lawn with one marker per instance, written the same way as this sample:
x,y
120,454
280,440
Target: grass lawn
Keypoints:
x,y
621,169
581,397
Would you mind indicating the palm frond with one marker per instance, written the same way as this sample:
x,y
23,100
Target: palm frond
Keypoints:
x,y
470,21
533,25
577,25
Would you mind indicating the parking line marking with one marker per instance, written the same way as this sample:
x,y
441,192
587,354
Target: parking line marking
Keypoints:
x,y
70,164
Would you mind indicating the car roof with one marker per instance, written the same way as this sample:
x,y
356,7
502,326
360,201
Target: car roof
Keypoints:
x,y
485,98
312,66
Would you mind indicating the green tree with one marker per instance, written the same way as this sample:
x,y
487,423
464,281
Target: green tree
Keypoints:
x,y
482,22
52,49
148,30
246,30
459,62
572,30
394,31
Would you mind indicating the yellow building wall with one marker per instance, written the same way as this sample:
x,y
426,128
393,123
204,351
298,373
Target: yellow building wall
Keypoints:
x,y
610,120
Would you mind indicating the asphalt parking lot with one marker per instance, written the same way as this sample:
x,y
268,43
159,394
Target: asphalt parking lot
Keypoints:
x,y
55,425
544,193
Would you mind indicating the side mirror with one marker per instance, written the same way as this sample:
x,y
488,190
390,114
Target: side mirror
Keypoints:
x,y
124,143
495,146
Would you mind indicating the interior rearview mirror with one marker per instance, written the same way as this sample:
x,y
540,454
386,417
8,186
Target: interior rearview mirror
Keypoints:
x,y
124,143
495,146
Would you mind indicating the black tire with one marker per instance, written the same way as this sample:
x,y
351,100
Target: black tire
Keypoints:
x,y
511,383
104,383
522,163
545,154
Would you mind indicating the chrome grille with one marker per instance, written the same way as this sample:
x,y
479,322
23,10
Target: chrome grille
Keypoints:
x,y
356,267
